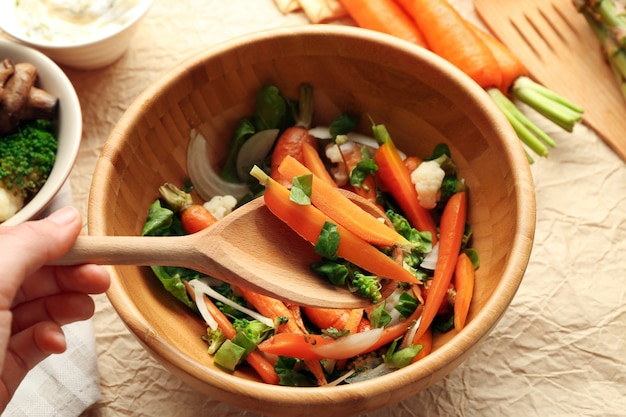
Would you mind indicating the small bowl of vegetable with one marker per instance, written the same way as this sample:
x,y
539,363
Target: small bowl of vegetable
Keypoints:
x,y
40,131
313,120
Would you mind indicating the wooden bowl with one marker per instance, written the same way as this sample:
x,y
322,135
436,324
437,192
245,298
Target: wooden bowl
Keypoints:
x,y
422,99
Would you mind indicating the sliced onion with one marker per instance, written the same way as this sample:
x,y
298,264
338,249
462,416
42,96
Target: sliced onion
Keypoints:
x,y
430,260
200,285
202,308
205,180
349,346
254,150
323,132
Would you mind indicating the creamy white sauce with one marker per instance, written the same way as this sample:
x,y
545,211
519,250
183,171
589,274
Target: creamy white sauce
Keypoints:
x,y
72,21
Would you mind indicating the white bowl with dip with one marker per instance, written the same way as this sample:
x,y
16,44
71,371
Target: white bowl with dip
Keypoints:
x,y
83,34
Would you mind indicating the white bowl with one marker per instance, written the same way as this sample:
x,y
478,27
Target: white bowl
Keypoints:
x,y
53,80
101,47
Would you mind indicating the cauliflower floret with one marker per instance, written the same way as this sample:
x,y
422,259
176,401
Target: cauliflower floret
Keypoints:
x,y
338,170
10,203
427,178
221,205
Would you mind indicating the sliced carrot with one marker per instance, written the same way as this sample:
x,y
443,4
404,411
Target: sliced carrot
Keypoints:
x,y
427,345
290,143
384,16
295,345
396,179
452,227
511,68
351,326
343,211
308,221
448,36
464,282
324,318
314,163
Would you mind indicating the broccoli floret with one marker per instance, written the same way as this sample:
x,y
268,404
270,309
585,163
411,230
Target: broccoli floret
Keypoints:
x,y
27,157
367,285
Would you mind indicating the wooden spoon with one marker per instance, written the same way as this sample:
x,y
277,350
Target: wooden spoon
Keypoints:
x,y
250,247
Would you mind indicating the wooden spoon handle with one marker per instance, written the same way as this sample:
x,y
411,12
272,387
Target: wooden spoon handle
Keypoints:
x,y
126,250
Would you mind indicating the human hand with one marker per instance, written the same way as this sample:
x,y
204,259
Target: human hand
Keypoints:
x,y
35,299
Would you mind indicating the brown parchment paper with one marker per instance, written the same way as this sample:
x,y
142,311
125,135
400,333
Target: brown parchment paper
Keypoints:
x,y
558,351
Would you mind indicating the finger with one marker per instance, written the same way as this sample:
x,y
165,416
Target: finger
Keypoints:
x,y
27,349
34,244
61,309
88,279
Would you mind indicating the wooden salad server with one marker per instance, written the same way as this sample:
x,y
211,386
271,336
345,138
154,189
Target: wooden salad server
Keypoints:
x,y
250,247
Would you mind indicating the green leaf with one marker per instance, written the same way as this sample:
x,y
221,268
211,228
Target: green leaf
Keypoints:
x,y
380,317
286,369
272,110
301,189
343,124
407,304
327,243
159,220
365,167
335,272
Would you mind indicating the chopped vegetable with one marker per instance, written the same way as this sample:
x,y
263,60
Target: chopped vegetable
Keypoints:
x,y
26,160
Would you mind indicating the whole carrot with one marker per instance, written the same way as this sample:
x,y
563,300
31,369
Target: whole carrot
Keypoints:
x,y
384,16
452,227
395,177
464,283
448,36
511,68
194,217
308,222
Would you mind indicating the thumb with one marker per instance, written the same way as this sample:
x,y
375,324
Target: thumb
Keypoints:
x,y
30,245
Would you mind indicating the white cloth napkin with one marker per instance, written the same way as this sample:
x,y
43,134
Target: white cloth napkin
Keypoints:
x,y
67,384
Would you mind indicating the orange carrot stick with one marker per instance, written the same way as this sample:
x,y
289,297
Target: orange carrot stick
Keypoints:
x,y
464,282
452,227
314,163
511,68
448,36
394,177
384,16
427,345
343,211
324,318
308,221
